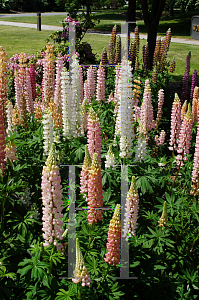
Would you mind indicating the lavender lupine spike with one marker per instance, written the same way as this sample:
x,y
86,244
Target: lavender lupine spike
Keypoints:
x,y
175,123
131,211
184,141
193,83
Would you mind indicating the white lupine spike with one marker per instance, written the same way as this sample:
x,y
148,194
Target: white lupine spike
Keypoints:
x,y
9,112
48,132
66,94
125,109
76,119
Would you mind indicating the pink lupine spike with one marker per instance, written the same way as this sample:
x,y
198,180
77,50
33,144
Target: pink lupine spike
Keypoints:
x,y
85,173
2,142
52,201
100,95
94,135
160,105
131,210
175,123
95,192
57,93
184,141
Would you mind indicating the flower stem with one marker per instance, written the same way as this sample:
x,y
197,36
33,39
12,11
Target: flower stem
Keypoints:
x,y
105,275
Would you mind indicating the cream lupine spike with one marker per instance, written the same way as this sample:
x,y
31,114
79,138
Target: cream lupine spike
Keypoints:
x,y
131,211
184,110
110,158
195,110
80,274
164,218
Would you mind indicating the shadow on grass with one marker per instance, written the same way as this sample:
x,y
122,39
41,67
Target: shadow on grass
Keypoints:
x,y
180,23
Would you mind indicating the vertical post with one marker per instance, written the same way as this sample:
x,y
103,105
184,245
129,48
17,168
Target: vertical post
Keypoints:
x,y
72,222
39,21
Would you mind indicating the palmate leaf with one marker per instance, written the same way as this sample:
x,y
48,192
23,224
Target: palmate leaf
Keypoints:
x,y
144,184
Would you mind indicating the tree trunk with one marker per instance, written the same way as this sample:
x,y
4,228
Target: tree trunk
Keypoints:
x,y
88,7
131,11
151,21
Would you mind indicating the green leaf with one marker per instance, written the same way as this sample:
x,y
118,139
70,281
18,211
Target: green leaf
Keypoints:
x,y
159,267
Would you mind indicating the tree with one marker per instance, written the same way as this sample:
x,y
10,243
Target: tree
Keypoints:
x,y
131,10
152,12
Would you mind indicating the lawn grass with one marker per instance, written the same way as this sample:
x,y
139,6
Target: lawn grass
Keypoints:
x,y
176,50
180,24
14,39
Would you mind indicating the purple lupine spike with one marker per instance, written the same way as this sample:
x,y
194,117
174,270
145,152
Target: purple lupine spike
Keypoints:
x,y
185,85
118,51
193,83
188,59
33,74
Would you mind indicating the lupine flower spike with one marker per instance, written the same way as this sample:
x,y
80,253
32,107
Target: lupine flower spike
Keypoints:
x,y
95,192
164,218
114,238
80,274
85,173
184,141
94,135
110,158
52,201
175,123
131,210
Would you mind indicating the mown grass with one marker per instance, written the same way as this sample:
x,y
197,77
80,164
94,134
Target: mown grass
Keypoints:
x,y
14,39
180,24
